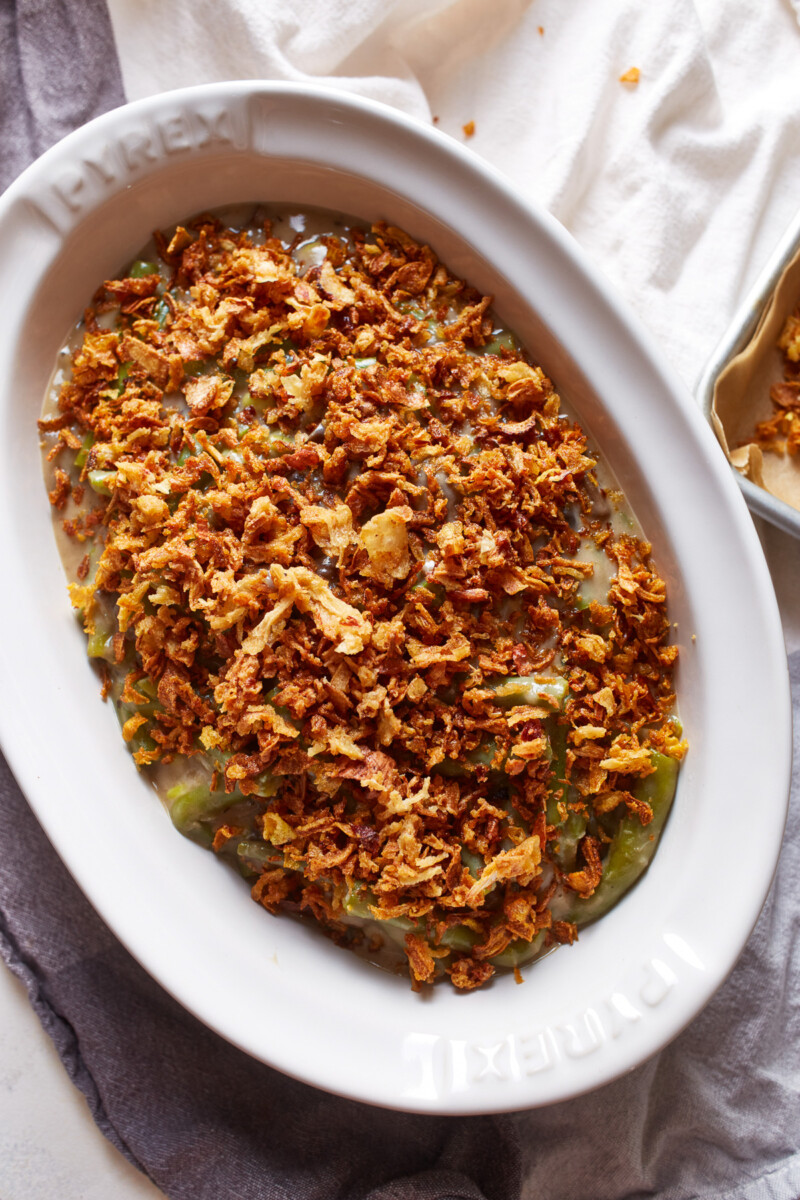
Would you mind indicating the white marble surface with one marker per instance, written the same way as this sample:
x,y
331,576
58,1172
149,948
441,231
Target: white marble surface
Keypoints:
x,y
49,1144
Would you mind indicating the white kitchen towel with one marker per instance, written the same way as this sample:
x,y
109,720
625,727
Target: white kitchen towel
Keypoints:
x,y
677,186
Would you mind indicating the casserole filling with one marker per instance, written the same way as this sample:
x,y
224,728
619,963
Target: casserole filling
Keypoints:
x,y
369,617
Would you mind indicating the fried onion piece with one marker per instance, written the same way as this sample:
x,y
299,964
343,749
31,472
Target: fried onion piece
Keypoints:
x,y
300,587
385,539
521,863
331,528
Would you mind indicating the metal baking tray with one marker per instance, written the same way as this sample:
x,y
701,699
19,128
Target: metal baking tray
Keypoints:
x,y
733,341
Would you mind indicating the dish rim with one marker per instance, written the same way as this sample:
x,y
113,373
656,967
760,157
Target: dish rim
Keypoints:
x,y
743,325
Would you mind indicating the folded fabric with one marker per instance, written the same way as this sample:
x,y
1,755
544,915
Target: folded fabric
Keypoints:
x,y
58,68
677,186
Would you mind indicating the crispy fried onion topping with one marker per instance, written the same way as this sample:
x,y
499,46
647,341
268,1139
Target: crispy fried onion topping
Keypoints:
x,y
337,548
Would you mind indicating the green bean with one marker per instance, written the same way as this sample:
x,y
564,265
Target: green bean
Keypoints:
x,y
634,844
281,709
103,626
146,687
278,443
146,709
267,785
191,805
569,837
483,756
363,363
262,404
519,952
122,375
357,901
500,340
557,737
473,862
258,855
397,927
459,938
161,312
100,481
101,644
141,739
141,268
515,690
215,760
451,769
561,796
436,590
197,366
83,453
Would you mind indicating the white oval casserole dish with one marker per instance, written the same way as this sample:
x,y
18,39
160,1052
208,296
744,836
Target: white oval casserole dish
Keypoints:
x,y
272,986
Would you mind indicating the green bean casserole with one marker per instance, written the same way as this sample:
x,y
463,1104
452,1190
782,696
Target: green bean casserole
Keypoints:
x,y
375,621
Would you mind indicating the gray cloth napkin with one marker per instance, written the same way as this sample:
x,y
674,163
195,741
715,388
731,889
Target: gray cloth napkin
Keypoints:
x,y
715,1115
58,69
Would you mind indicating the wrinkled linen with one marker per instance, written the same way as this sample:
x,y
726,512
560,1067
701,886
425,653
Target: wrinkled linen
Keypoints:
x,y
58,68
677,188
